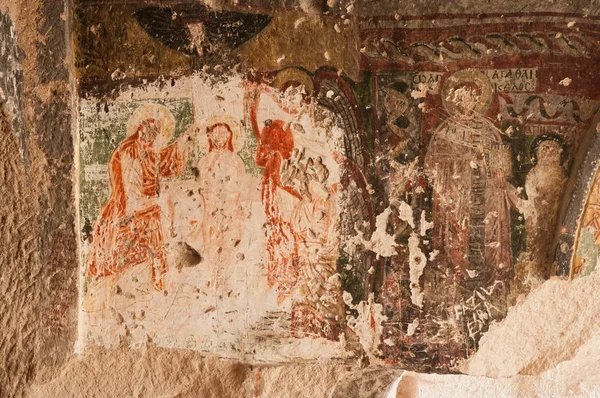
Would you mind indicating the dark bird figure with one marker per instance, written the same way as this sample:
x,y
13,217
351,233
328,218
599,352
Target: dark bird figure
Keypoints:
x,y
207,36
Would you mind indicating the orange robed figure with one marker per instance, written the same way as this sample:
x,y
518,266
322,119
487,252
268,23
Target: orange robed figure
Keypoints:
x,y
128,231
276,144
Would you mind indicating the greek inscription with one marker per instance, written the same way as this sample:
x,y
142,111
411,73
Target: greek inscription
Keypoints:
x,y
513,80
429,81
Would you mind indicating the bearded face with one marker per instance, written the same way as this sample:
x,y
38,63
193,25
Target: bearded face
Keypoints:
x,y
219,136
151,131
465,98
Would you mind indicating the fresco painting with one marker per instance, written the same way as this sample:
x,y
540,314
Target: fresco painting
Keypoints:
x,y
209,218
585,250
475,188
282,213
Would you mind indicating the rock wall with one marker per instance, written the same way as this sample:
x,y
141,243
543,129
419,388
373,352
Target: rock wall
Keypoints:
x,y
533,352
39,253
263,199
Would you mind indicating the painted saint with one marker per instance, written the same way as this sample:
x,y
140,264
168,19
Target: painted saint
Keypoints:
x,y
275,145
543,185
128,231
317,306
221,174
468,164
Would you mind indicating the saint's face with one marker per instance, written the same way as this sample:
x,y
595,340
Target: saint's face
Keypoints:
x,y
150,130
154,134
219,136
548,152
466,99
162,137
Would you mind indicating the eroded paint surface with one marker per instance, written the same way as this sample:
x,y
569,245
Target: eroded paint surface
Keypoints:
x,y
11,82
388,207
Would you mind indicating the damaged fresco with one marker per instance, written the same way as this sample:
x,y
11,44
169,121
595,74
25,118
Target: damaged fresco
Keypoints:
x,y
578,243
585,250
209,219
477,148
272,210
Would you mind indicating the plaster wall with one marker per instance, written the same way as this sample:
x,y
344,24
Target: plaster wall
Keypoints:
x,y
546,346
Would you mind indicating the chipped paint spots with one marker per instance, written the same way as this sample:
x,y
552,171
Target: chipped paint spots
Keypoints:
x,y
412,327
381,242
399,167
188,231
368,324
417,262
565,82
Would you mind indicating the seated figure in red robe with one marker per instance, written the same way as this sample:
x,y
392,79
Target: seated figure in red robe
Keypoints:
x,y
128,230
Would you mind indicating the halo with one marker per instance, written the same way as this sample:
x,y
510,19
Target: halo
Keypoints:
x,y
540,139
237,140
152,111
468,76
294,75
